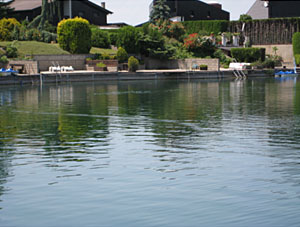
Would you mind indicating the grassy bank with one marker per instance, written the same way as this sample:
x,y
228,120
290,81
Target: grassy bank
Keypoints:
x,y
29,48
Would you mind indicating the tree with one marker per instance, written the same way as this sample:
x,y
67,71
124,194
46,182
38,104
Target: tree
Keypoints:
x,y
74,35
245,17
160,11
129,39
49,12
5,8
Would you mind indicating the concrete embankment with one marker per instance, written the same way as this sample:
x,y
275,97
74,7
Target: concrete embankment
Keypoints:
x,y
90,76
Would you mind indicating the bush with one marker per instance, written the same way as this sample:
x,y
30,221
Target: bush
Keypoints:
x,y
201,47
133,64
4,60
74,35
213,26
248,54
122,55
245,17
113,37
129,39
105,56
268,63
7,28
296,43
100,38
203,67
101,65
297,58
11,51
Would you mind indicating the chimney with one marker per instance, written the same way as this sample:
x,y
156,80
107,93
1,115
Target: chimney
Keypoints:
x,y
103,5
215,4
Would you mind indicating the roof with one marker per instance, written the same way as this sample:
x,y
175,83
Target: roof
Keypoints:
x,y
24,5
258,10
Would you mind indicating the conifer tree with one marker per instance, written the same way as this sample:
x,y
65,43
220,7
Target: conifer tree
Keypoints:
x,y
160,11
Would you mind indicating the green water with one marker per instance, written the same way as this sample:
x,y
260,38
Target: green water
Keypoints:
x,y
151,153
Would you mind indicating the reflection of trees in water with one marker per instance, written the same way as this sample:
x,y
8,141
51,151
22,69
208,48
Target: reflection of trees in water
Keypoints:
x,y
5,165
59,119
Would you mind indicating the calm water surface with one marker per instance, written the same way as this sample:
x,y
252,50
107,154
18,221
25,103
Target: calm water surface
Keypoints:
x,y
151,153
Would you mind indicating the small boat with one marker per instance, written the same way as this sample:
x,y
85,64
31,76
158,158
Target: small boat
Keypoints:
x,y
8,72
286,73
291,73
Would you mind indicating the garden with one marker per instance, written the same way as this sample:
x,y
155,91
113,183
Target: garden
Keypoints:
x,y
159,39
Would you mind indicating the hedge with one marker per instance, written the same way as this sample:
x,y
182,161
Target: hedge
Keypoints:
x,y
214,26
248,54
100,38
297,59
296,43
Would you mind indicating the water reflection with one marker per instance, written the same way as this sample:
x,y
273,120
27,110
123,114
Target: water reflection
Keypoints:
x,y
229,136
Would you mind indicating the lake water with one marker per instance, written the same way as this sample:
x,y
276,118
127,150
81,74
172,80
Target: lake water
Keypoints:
x,y
151,153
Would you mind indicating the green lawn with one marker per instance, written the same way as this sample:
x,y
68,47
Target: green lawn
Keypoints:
x,y
28,48
96,50
35,48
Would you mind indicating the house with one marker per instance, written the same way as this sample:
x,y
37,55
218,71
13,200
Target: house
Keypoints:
x,y
263,9
29,9
182,10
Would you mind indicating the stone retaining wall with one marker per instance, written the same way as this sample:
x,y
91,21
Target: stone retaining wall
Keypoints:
x,y
77,61
284,50
186,64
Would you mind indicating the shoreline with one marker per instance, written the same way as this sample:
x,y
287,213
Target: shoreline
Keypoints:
x,y
90,76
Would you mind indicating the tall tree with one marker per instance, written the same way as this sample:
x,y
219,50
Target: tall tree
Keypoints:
x,y
160,11
51,12
5,8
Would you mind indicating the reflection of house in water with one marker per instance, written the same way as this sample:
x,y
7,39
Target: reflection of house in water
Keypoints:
x,y
28,97
62,94
113,95
5,97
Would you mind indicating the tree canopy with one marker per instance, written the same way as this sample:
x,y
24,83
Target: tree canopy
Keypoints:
x,y
160,11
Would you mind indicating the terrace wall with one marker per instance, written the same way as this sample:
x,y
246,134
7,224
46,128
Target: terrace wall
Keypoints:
x,y
77,61
186,64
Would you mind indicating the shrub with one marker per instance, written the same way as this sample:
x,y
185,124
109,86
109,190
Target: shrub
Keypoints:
x,y
105,56
129,39
248,54
296,43
4,60
245,17
113,37
297,59
202,47
269,63
101,65
122,55
133,64
7,27
47,37
74,35
100,38
203,67
11,51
